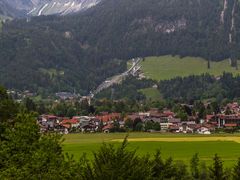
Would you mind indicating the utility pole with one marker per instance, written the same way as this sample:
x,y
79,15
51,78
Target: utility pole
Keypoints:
x,y
112,94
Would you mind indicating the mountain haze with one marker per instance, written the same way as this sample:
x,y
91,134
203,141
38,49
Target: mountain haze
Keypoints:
x,y
56,53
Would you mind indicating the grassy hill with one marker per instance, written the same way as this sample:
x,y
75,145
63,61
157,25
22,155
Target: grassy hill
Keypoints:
x,y
168,67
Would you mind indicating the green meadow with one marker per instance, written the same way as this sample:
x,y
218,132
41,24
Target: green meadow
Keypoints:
x,y
168,67
151,93
180,147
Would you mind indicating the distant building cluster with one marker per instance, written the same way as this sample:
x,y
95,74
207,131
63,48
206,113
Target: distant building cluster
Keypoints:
x,y
66,95
19,95
106,122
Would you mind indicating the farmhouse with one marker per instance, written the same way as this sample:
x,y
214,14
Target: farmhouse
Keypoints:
x,y
49,121
70,123
107,128
204,128
106,117
232,120
232,107
134,116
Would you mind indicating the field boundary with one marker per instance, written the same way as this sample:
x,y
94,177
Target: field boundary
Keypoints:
x,y
181,139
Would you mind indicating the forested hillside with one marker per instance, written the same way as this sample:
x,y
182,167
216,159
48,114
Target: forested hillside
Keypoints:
x,y
84,49
204,87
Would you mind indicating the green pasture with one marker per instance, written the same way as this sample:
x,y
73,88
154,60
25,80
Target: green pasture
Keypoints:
x,y
168,67
52,72
151,93
180,147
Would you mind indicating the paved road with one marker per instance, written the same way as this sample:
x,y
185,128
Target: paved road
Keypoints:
x,y
118,78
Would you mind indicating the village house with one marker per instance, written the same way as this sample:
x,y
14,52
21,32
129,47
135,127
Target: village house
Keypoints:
x,y
174,121
107,118
204,128
187,126
48,121
135,116
83,120
232,107
224,121
160,117
70,123
87,123
107,128
231,121
61,129
165,126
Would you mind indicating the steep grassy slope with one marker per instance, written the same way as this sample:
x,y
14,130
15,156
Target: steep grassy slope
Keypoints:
x,y
168,67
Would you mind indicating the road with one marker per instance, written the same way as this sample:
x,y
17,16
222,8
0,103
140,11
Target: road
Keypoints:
x,y
118,78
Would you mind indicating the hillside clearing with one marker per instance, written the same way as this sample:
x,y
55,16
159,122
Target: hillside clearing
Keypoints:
x,y
151,93
168,67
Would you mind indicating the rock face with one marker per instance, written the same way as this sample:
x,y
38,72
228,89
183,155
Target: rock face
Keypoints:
x,y
16,8
24,5
62,7
9,11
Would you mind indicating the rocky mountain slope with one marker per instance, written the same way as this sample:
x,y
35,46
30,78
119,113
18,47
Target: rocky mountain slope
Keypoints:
x,y
7,11
15,8
62,7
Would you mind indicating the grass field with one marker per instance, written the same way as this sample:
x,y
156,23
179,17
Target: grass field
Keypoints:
x,y
180,147
168,67
51,72
151,93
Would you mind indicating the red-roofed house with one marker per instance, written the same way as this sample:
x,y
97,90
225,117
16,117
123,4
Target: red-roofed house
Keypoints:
x,y
107,128
209,117
50,121
232,120
70,123
109,117
169,114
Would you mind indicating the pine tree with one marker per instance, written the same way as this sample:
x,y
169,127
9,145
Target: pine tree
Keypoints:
x,y
195,166
157,166
216,171
203,171
118,163
236,170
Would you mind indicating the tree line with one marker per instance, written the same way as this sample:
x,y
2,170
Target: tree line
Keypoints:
x,y
200,87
